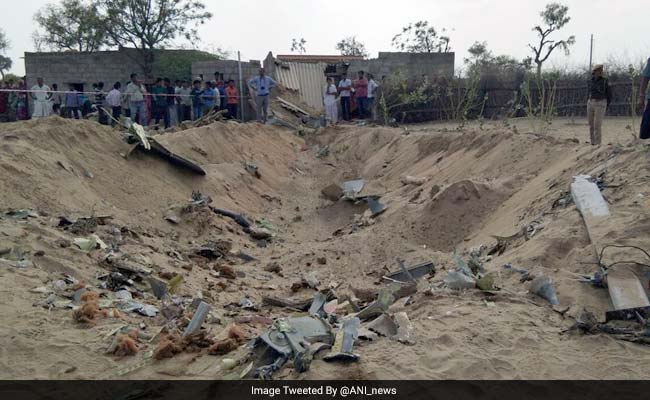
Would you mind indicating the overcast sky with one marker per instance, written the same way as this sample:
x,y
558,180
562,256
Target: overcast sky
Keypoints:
x,y
620,28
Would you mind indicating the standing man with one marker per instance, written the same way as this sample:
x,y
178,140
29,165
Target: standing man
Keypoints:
x,y
361,94
232,95
644,100
600,95
114,101
197,100
210,97
177,100
262,84
100,102
57,99
170,91
135,93
345,85
220,86
72,103
372,91
41,97
185,101
159,103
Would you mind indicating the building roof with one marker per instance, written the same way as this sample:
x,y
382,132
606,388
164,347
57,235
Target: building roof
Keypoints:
x,y
331,59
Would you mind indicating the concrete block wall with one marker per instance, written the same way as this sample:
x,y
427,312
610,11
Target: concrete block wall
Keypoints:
x,y
411,64
81,68
229,69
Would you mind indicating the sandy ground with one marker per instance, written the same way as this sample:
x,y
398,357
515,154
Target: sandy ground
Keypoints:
x,y
481,181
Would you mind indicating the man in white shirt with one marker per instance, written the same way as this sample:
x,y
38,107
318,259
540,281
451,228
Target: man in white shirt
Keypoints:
x,y
135,92
114,101
185,99
345,86
372,90
41,99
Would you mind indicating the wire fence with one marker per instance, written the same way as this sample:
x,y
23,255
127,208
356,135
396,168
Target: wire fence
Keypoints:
x,y
493,99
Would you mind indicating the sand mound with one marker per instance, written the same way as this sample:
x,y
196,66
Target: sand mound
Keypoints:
x,y
60,165
455,212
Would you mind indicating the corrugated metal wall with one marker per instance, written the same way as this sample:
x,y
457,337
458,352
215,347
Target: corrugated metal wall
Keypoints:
x,y
307,78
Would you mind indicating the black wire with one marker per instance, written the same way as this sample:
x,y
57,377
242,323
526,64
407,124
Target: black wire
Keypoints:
x,y
602,252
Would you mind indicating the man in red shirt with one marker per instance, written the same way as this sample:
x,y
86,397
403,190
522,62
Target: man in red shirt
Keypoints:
x,y
233,99
361,94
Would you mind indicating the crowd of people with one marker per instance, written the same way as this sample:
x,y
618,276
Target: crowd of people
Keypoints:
x,y
166,103
163,103
362,91
13,102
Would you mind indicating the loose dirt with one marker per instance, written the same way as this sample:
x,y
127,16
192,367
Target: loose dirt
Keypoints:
x,y
480,183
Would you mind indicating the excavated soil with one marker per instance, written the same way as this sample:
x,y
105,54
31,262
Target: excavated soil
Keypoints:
x,y
480,183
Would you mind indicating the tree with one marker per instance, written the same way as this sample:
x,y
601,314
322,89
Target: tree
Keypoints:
x,y
555,17
72,25
5,62
151,24
349,46
298,45
479,53
5,65
4,42
481,58
419,37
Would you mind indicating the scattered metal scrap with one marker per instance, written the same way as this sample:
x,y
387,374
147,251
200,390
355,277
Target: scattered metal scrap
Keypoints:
x,y
375,206
411,273
544,288
289,338
345,337
627,294
137,134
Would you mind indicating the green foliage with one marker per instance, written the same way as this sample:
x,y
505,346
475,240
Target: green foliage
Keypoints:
x,y
5,62
462,96
298,45
540,96
177,64
419,37
11,78
5,65
349,46
482,60
72,25
152,24
4,42
555,17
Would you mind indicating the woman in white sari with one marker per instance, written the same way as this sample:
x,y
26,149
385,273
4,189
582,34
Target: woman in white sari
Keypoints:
x,y
329,100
